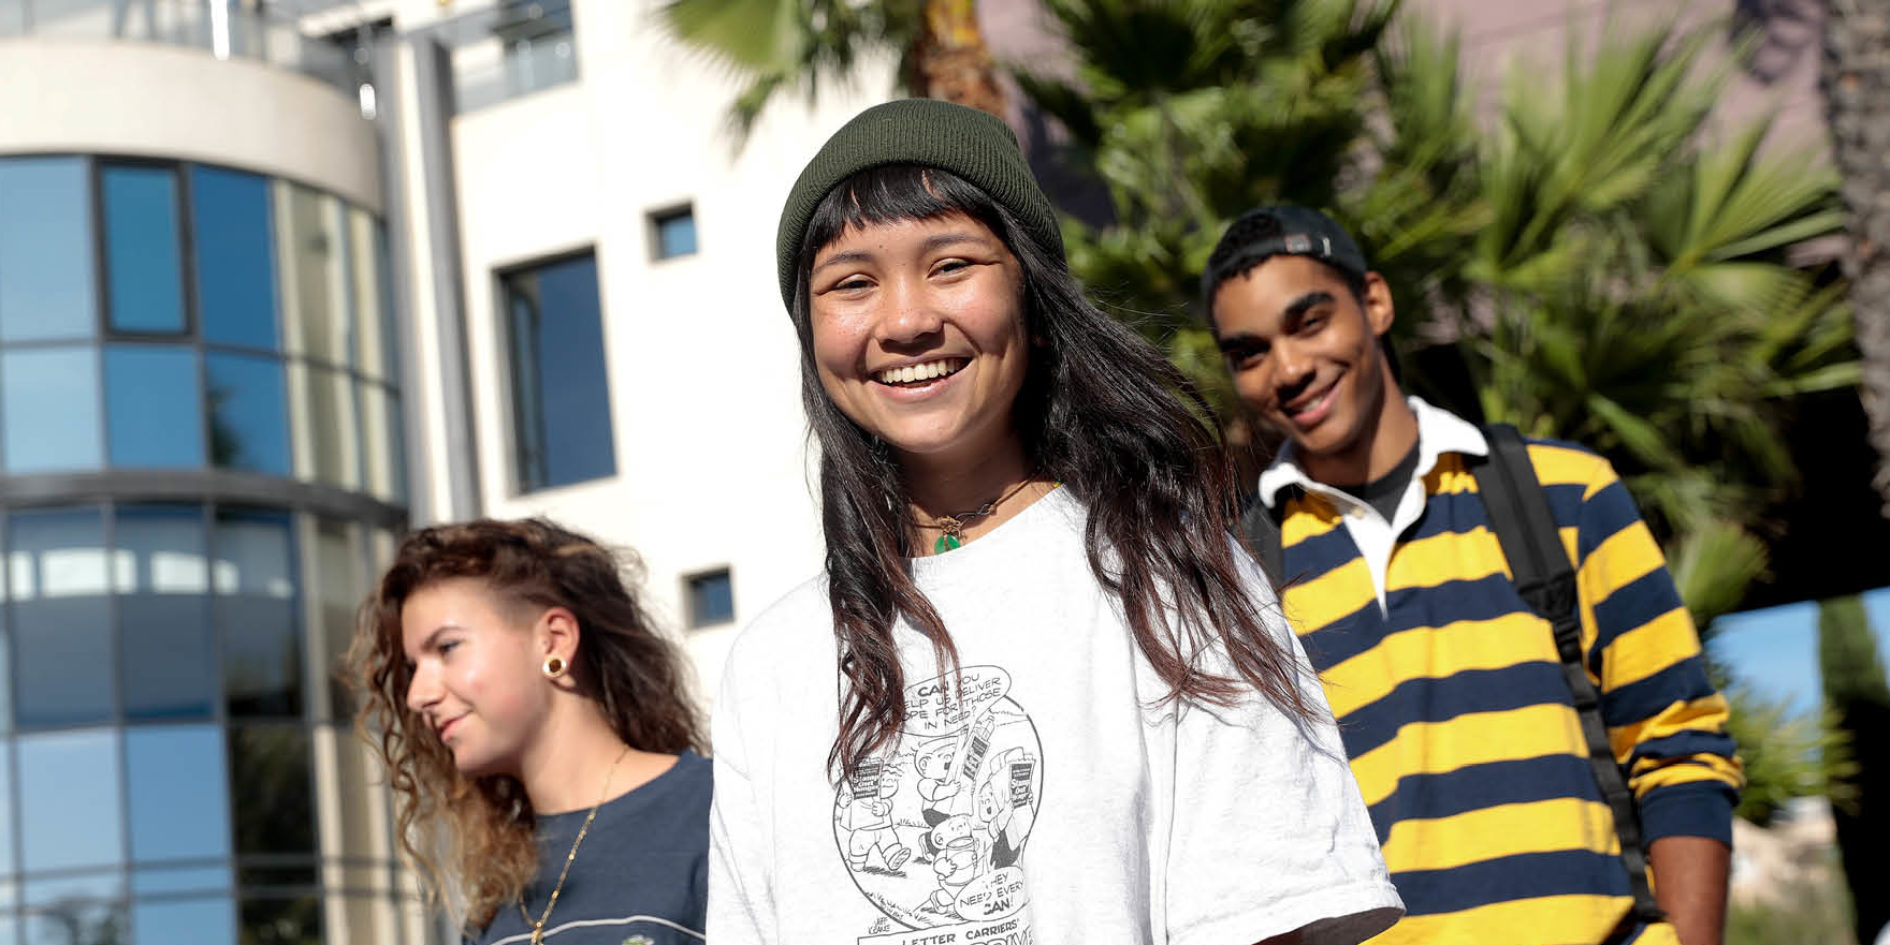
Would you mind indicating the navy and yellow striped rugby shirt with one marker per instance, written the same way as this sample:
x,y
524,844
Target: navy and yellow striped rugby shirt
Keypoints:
x,y
1451,702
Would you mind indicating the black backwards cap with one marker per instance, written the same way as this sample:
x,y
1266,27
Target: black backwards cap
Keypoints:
x,y
1279,231
1285,230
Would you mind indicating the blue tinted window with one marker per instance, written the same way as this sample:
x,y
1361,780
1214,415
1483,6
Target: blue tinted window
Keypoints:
x,y
144,264
149,880
49,410
162,575
269,785
711,599
179,806
59,577
69,804
192,921
235,255
676,234
81,909
46,250
255,613
6,829
248,406
561,399
153,406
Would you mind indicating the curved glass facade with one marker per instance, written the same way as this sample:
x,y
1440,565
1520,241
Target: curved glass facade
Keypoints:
x,y
181,316
200,471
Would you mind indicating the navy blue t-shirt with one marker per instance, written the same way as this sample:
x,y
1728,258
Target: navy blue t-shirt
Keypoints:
x,y
641,877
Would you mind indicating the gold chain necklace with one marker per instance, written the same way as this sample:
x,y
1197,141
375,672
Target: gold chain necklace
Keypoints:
x,y
538,926
952,527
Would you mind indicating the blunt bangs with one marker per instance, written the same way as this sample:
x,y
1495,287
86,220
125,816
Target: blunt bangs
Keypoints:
x,y
896,193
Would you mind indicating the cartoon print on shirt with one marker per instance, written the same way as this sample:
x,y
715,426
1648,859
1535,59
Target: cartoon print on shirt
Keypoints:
x,y
936,787
865,814
931,830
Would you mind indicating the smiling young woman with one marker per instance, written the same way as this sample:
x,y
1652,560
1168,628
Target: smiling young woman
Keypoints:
x,y
1039,693
530,716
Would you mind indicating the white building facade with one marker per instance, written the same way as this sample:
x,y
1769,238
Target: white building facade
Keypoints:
x,y
680,434
281,280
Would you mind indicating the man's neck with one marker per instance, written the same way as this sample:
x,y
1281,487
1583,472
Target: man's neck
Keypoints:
x,y
1388,438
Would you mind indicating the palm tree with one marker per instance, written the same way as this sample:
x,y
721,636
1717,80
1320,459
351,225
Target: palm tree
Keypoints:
x,y
801,46
1611,269
1190,113
1856,84
1632,294
1858,693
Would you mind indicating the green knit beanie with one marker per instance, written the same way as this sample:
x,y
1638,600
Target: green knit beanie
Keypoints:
x,y
974,145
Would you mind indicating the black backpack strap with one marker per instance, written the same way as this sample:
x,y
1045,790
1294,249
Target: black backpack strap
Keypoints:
x,y
1262,527
1525,526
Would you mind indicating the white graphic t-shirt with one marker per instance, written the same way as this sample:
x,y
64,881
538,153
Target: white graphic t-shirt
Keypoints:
x,y
1048,793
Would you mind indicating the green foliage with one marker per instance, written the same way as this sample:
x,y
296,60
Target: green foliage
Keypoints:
x,y
1786,755
797,47
1858,694
1611,263
1192,111
1712,564
1853,670
1640,301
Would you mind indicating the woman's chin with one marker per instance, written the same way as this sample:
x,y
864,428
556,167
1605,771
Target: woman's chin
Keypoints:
x,y
471,764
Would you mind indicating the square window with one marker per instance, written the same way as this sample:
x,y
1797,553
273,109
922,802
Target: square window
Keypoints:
x,y
40,440
675,232
560,391
154,408
248,406
711,599
70,807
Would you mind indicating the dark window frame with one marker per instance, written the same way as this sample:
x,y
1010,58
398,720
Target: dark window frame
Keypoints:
x,y
526,431
664,214
186,249
693,616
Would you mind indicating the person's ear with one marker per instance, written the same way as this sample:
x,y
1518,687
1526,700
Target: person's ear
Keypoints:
x,y
1379,310
556,634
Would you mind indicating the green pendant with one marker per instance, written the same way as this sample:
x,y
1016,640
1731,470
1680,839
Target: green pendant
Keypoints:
x,y
945,543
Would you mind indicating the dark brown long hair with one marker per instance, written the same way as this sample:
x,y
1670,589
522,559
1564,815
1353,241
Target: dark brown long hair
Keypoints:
x,y
1103,412
636,676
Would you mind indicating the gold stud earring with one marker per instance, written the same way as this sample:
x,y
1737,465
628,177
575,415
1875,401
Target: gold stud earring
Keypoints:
x,y
554,667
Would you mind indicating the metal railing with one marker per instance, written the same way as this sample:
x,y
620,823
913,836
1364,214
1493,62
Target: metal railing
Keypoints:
x,y
509,49
219,27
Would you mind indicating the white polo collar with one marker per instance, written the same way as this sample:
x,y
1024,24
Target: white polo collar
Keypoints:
x,y
1439,432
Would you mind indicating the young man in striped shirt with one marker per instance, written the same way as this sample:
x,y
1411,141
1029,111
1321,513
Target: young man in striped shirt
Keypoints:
x,y
1449,690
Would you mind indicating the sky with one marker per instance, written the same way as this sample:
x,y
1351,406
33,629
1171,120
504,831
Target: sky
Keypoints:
x,y
1776,649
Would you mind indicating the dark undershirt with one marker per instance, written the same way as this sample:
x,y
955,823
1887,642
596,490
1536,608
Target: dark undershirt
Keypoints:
x,y
1385,492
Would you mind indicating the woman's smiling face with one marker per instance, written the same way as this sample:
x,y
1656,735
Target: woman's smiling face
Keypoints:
x,y
919,333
